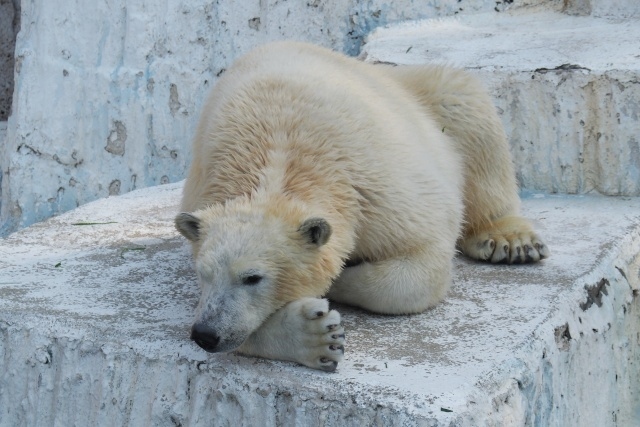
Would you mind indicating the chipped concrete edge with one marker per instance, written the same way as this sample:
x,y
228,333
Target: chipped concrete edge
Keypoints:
x,y
591,343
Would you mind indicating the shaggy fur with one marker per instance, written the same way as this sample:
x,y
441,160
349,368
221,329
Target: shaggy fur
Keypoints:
x,y
306,161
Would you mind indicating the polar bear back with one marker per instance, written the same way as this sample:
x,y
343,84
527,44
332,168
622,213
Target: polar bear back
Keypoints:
x,y
294,118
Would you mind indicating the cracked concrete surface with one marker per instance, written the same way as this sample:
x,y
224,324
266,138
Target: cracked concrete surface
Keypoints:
x,y
96,304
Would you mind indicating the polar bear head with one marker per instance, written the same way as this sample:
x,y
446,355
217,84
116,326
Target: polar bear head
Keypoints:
x,y
250,261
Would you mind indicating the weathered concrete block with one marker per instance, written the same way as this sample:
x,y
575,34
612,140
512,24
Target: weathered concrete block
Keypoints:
x,y
96,305
571,112
103,108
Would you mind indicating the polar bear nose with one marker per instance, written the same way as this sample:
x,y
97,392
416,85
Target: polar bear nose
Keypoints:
x,y
205,337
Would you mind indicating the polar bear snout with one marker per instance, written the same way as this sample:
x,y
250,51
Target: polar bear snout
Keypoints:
x,y
205,337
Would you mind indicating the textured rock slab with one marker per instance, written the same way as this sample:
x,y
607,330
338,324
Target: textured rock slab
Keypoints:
x,y
567,88
96,304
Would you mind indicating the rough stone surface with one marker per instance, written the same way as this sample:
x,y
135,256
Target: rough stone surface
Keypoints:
x,y
571,112
96,304
90,73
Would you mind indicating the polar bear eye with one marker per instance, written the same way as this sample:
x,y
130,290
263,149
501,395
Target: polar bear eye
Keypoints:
x,y
252,279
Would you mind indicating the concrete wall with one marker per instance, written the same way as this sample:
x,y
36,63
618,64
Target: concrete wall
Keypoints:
x,y
107,92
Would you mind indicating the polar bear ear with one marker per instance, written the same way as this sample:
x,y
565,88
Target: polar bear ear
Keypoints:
x,y
316,231
188,225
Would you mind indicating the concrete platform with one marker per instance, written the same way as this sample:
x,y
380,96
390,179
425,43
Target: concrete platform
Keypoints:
x,y
96,304
567,88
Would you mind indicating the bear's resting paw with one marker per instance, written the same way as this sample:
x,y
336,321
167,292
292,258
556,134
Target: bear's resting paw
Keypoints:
x,y
318,332
304,331
508,240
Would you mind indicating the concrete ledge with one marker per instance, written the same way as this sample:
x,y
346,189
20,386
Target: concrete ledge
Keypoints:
x,y
94,326
567,88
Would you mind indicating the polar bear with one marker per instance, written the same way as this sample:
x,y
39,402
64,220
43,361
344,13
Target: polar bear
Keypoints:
x,y
316,175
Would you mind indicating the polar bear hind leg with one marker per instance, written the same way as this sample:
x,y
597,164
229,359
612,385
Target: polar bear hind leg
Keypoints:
x,y
493,230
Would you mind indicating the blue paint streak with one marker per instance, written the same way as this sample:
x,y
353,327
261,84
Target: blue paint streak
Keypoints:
x,y
365,21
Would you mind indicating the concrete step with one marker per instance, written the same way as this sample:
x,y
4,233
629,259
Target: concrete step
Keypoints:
x,y
96,304
567,88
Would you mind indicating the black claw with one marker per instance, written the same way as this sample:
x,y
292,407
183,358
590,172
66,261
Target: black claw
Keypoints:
x,y
319,313
334,347
332,327
328,365
503,259
519,255
336,336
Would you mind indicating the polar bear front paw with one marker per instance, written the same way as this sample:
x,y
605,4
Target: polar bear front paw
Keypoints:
x,y
303,331
508,240
317,333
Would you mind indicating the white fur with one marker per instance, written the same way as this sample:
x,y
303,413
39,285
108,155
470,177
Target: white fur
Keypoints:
x,y
400,165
